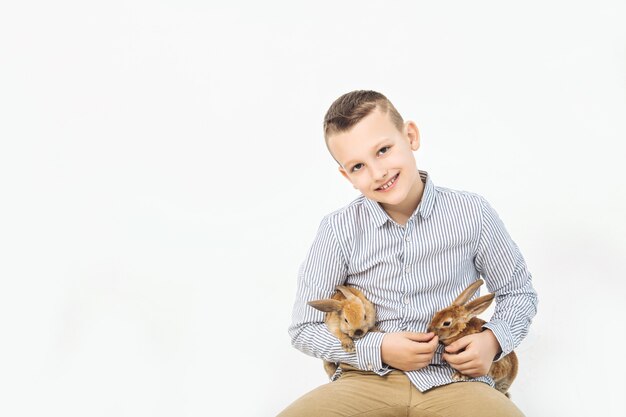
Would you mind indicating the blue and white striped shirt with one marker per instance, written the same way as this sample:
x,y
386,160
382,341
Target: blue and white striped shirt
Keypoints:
x,y
409,272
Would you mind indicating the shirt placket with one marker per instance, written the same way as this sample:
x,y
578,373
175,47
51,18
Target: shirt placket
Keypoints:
x,y
407,270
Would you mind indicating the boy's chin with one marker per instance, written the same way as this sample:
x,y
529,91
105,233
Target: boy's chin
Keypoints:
x,y
390,199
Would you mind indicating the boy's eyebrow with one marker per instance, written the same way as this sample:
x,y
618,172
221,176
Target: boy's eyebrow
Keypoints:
x,y
375,148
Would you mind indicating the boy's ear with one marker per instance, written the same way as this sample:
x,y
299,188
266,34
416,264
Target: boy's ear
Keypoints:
x,y
413,134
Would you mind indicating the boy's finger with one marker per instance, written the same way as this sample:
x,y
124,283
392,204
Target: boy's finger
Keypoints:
x,y
451,359
456,359
419,337
458,345
427,348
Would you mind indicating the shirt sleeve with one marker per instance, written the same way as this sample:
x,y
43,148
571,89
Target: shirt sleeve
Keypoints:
x,y
324,268
501,263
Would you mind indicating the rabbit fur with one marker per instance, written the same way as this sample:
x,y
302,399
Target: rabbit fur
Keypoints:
x,y
349,315
459,319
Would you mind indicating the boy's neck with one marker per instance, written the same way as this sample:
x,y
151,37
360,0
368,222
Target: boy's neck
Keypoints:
x,y
402,212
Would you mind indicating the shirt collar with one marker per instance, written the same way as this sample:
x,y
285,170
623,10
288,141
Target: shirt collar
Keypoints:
x,y
424,209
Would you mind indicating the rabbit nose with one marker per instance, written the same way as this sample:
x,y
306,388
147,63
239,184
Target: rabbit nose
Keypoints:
x,y
358,333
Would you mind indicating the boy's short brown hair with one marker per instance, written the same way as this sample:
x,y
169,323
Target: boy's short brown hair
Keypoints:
x,y
351,108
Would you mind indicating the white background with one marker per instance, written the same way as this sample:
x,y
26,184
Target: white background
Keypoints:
x,y
163,173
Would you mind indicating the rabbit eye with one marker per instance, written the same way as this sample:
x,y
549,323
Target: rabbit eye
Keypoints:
x,y
446,324
346,320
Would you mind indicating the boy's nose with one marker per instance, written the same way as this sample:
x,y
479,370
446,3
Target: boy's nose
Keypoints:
x,y
380,173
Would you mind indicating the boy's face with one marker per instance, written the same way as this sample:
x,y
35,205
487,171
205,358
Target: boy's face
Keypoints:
x,y
378,159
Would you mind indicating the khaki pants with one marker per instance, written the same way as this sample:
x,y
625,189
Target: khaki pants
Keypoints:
x,y
362,393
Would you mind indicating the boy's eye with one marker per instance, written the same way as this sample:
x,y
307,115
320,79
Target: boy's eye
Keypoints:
x,y
384,149
356,167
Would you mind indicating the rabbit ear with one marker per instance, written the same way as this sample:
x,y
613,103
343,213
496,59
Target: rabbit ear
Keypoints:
x,y
479,305
346,292
326,305
467,293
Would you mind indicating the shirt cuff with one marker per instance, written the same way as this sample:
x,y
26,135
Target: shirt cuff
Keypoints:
x,y
502,332
368,353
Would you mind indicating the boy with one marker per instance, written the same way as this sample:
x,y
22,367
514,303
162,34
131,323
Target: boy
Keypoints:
x,y
411,247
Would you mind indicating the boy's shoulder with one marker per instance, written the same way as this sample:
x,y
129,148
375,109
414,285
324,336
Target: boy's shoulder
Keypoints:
x,y
467,205
450,194
354,209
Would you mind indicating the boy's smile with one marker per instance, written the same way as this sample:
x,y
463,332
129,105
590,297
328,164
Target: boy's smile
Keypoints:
x,y
388,185
378,160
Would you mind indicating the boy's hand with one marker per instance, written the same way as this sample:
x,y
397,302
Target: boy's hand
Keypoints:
x,y
408,351
480,350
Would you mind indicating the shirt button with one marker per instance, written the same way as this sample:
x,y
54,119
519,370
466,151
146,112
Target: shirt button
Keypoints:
x,y
406,300
408,239
407,269
369,367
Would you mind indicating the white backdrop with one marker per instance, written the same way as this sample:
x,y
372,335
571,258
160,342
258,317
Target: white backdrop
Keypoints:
x,y
163,173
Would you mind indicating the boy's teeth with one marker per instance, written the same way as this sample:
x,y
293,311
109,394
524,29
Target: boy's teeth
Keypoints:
x,y
385,186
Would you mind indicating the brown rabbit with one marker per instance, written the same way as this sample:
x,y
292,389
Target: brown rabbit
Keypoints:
x,y
349,316
459,319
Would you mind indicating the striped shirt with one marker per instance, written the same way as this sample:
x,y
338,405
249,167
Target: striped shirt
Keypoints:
x,y
409,272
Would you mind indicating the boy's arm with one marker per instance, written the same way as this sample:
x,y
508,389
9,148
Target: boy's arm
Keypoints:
x,y
325,267
500,262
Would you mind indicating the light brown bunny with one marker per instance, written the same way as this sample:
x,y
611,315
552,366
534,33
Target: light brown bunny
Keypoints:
x,y
349,316
459,319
